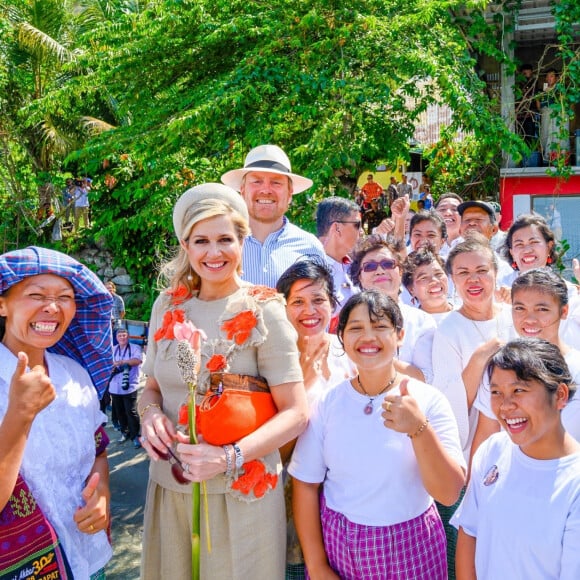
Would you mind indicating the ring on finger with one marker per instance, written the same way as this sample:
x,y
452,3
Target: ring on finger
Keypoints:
x,y
92,528
186,468
143,439
388,405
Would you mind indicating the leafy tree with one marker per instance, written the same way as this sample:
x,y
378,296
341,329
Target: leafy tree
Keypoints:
x,y
170,93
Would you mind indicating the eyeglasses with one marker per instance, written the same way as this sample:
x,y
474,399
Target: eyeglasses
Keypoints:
x,y
177,469
357,223
385,264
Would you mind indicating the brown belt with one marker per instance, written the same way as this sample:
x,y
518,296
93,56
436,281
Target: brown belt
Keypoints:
x,y
221,381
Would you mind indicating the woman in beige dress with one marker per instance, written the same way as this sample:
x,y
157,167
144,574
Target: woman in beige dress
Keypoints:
x,y
247,333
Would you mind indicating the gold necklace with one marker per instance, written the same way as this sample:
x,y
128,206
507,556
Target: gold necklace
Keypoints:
x,y
369,406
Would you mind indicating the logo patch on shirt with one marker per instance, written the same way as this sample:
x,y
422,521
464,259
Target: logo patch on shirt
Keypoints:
x,y
491,476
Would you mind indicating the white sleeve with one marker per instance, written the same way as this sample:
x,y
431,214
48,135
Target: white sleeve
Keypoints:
x,y
447,370
467,514
443,422
570,564
307,463
483,399
423,353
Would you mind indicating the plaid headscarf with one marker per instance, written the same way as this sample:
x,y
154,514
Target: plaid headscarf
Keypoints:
x,y
87,340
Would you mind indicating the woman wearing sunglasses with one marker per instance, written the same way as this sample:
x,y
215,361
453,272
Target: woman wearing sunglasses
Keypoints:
x,y
376,265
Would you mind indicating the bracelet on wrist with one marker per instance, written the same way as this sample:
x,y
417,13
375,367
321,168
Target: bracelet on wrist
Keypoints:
x,y
229,462
239,456
147,407
419,431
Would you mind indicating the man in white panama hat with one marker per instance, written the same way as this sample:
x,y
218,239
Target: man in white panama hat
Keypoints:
x,y
267,184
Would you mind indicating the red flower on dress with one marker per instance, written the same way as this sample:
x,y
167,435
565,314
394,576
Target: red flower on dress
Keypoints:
x,y
183,415
169,320
256,479
217,363
262,292
240,326
179,295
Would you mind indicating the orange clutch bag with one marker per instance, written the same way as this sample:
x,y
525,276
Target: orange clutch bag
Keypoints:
x,y
233,407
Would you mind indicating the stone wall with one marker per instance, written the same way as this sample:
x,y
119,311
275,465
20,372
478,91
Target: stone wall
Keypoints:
x,y
100,260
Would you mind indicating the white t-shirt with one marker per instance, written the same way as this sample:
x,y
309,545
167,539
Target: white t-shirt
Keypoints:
x,y
524,513
570,413
418,339
340,366
370,472
454,343
570,327
59,455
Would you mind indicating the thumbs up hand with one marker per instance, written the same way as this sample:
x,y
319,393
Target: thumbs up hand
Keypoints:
x,y
30,390
401,412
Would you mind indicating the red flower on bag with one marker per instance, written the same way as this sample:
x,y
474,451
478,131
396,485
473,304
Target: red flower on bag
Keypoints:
x,y
179,295
217,363
255,479
240,326
262,292
169,320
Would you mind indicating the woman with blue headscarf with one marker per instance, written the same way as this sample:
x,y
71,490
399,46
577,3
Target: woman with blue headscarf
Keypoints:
x,y
55,358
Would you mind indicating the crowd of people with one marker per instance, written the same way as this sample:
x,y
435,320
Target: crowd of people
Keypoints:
x,y
411,393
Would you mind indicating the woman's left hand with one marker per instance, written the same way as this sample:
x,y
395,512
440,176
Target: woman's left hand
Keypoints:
x,y
202,461
94,515
401,412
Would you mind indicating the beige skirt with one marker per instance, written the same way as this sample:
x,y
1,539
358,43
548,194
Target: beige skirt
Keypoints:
x,y
248,540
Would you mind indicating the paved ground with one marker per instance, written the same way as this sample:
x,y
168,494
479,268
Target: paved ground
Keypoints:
x,y
129,469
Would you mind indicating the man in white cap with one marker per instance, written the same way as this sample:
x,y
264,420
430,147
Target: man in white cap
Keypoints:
x,y
267,184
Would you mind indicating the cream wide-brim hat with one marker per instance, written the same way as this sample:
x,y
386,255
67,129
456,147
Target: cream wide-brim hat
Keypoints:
x,y
271,159
199,194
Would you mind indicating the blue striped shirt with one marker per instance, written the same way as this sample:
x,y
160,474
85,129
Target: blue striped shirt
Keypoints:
x,y
264,263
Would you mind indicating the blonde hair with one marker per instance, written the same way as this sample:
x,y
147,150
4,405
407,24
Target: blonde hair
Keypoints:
x,y
178,271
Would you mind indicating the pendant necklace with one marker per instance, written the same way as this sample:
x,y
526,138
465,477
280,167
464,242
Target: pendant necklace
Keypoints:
x,y
369,406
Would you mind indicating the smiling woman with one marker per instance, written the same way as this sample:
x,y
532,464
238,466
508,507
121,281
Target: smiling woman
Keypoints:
x,y
248,342
354,519
530,385
56,348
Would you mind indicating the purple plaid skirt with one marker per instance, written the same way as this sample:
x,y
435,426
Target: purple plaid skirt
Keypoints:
x,y
412,550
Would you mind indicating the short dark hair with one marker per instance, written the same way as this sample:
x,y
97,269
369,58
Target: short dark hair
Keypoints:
x,y
534,359
524,221
543,280
448,195
331,210
475,243
379,306
429,216
422,257
370,244
308,269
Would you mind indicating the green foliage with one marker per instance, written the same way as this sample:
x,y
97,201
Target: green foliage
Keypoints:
x,y
150,98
